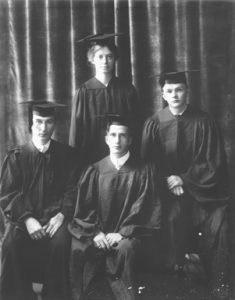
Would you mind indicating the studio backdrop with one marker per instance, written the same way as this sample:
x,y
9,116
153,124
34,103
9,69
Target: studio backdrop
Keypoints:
x,y
40,57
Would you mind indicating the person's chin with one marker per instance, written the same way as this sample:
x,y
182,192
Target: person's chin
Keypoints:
x,y
43,140
177,104
116,152
106,70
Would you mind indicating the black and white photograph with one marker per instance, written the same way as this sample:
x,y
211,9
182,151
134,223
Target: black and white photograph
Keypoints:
x,y
117,149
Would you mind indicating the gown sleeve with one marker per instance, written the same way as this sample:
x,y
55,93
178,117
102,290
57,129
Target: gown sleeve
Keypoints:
x,y
151,149
14,202
85,131
77,119
70,190
144,217
85,223
207,179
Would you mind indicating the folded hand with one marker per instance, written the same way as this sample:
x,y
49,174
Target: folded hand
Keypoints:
x,y
34,228
54,224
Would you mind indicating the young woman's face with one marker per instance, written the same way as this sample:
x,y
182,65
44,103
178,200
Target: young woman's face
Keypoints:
x,y
103,60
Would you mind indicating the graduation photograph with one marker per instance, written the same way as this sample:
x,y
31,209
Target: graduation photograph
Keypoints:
x,y
117,150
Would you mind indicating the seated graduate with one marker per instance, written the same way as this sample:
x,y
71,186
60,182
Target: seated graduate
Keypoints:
x,y
117,207
188,144
37,192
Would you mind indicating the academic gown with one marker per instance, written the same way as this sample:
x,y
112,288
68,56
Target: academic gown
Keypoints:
x,y
124,201
38,185
190,146
93,100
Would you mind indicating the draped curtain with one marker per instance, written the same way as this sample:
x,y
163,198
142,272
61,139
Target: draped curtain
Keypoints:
x,y
40,57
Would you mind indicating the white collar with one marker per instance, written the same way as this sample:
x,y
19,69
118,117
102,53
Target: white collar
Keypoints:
x,y
101,79
41,148
119,162
178,114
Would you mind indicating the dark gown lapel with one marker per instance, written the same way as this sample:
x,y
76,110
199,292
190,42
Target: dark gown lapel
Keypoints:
x,y
169,132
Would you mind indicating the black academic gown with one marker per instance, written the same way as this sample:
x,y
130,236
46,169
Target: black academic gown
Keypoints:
x,y
191,147
36,185
124,201
91,101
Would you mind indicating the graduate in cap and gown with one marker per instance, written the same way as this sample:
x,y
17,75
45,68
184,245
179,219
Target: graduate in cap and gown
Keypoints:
x,y
102,94
186,143
37,193
117,207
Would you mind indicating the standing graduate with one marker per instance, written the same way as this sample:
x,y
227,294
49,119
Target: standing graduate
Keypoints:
x,y
187,142
117,206
102,94
37,192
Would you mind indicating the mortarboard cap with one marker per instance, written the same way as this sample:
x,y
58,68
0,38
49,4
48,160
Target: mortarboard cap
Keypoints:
x,y
174,76
42,107
99,38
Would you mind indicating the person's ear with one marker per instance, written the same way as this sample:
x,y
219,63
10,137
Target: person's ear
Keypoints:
x,y
91,59
106,139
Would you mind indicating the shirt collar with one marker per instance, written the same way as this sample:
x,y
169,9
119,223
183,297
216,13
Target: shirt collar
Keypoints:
x,y
179,114
94,83
41,148
119,162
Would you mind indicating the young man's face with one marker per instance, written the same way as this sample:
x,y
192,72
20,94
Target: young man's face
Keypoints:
x,y
118,139
175,94
103,60
42,128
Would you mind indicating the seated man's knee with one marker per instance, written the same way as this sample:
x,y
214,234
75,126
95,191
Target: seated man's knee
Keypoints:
x,y
128,246
61,239
11,241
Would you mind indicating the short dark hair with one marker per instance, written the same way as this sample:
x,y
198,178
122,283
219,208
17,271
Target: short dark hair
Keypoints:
x,y
120,123
46,113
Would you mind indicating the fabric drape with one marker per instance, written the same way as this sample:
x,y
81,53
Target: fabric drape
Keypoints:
x,y
43,59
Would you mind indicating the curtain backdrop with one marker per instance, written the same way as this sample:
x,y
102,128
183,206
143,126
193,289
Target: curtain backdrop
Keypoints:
x,y
40,57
